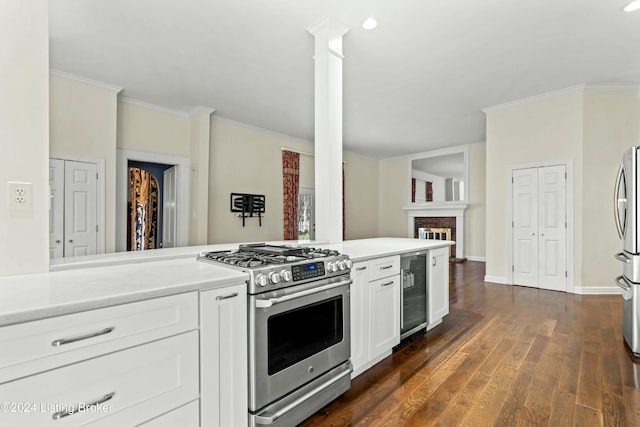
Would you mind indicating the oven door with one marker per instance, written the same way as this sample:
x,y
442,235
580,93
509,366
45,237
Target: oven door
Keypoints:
x,y
295,335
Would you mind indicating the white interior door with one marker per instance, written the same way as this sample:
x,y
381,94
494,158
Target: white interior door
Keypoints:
x,y
80,209
169,216
56,208
525,227
539,227
552,227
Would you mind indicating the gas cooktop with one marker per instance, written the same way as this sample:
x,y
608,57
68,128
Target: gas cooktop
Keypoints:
x,y
273,267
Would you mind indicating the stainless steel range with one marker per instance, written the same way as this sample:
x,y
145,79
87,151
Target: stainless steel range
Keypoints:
x,y
299,339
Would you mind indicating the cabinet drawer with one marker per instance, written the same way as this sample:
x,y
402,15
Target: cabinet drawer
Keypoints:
x,y
133,385
186,416
33,347
384,267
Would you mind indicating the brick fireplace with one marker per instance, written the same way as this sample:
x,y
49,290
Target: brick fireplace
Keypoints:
x,y
442,216
438,222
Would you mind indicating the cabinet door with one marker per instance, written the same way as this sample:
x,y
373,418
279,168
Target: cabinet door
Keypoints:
x,y
438,292
223,356
384,315
359,315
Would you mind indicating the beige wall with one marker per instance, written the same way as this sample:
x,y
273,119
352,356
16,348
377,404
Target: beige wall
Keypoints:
x,y
199,182
153,131
542,130
246,160
83,123
611,126
361,196
393,183
24,133
474,216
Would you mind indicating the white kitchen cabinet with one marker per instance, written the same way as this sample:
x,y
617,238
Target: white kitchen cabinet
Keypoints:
x,y
375,311
359,315
187,415
437,285
223,357
384,315
127,387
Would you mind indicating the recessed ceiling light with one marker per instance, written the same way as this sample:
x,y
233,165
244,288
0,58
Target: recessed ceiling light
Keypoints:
x,y
634,5
370,23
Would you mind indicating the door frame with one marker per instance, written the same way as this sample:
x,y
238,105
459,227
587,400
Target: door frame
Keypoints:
x,y
100,194
568,164
182,192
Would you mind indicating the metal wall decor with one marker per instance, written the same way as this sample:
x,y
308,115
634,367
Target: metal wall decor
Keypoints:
x,y
248,205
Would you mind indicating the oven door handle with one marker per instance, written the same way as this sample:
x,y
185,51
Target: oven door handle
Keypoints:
x,y
262,420
266,303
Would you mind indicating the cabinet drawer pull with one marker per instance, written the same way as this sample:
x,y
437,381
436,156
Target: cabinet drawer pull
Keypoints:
x,y
361,268
435,261
72,411
387,283
221,297
386,267
63,341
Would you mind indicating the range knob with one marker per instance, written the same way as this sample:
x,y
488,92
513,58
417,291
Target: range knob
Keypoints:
x,y
286,275
332,267
348,263
341,265
274,277
262,280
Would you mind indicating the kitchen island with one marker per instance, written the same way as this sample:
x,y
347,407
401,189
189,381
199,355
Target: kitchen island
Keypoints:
x,y
125,332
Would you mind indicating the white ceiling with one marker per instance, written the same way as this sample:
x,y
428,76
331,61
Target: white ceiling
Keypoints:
x,y
417,82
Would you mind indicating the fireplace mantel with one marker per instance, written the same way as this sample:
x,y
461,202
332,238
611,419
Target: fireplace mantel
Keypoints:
x,y
438,209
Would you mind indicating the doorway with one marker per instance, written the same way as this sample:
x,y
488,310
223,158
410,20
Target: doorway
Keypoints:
x,y
539,224
176,201
306,214
151,206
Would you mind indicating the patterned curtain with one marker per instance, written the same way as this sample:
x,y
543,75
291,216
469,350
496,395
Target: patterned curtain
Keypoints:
x,y
290,190
142,226
413,190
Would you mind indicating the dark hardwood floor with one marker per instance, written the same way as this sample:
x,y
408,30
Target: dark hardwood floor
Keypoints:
x,y
504,356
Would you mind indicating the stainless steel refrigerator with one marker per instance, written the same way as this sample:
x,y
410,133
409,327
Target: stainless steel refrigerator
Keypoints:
x,y
626,219
413,305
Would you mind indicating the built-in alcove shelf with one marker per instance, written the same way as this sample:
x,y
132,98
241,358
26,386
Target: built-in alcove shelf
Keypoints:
x,y
435,210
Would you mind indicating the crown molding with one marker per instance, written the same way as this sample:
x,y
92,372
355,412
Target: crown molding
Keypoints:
x,y
202,109
153,107
588,87
571,89
260,129
84,80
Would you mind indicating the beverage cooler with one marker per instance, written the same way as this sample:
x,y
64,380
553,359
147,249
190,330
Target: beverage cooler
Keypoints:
x,y
413,312
626,220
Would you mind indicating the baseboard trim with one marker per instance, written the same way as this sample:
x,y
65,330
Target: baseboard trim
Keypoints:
x,y
476,258
496,279
597,290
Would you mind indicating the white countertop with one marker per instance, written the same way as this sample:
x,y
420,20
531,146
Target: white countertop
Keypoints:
x,y
364,249
36,296
87,283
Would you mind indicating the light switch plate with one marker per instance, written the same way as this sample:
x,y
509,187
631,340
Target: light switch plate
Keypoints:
x,y
19,195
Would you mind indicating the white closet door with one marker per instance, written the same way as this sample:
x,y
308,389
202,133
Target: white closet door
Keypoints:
x,y
552,228
80,220
56,208
169,205
525,227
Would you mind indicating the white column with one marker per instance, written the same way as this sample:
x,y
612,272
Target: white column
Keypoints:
x,y
328,129
199,177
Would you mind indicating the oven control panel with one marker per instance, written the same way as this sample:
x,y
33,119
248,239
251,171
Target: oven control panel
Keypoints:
x,y
307,271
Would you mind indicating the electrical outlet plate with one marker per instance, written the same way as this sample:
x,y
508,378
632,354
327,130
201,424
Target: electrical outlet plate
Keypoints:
x,y
19,195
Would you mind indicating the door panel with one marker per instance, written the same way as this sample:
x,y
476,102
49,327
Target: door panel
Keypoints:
x,y
553,232
525,227
169,217
539,227
80,208
56,208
